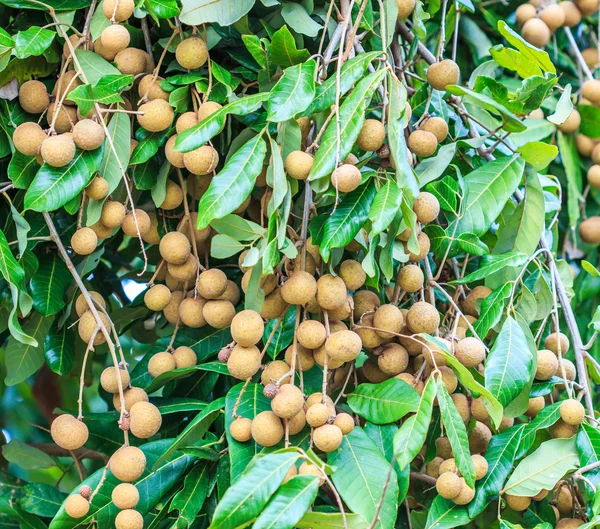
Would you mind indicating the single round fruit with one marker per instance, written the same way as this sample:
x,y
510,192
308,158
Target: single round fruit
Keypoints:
x,y
393,360
423,317
161,363
536,32
125,496
556,339
572,18
201,161
346,178
388,320
157,298
211,283
327,438
553,16
465,495
218,313
569,523
288,401
158,115
299,289
593,176
115,38
127,463
422,143
426,207
478,409
571,124
149,88
109,380
267,429
77,506
517,503
69,433
448,485
241,429
247,328
82,306
479,438
87,327
304,357
438,127
353,274
535,405
524,12
58,151
547,365
206,109
311,334
136,225
191,53
481,466
145,420
572,412
84,241
113,214
129,519
184,357
411,278
132,61
331,292
372,135
405,8
470,352
344,422
589,230
442,74
118,10
175,248
343,346
186,121
244,362
274,371
131,396
33,97
173,197
298,164
28,138
66,117
97,188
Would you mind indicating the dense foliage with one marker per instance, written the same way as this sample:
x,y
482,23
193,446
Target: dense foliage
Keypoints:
x,y
299,264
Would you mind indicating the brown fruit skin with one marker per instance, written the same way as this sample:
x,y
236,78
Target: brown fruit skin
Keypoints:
x,y
469,306
171,312
442,74
572,412
517,503
317,415
97,189
274,371
304,357
536,32
143,223
201,161
157,298
327,438
587,7
346,178
129,519
241,429
311,334
423,317
331,292
115,38
149,88
125,496
28,138
66,118
131,396
552,342
124,9
571,124
175,158
584,145
191,53
108,379
145,420
388,320
133,62
411,278
81,305
69,433
405,8
87,326
274,305
569,523
58,151
243,362
426,207
158,115
343,346
593,176
352,273
128,463
524,12
175,248
267,429
344,422
33,97
212,283
101,231
247,328
422,143
206,109
184,357
84,241
448,485
299,289
547,365
479,438
481,466
372,135
589,230
161,363
553,16
173,197
186,121
77,506
572,17
470,352
536,404
437,126
298,164
393,360
113,214
288,401
218,313
465,495
424,247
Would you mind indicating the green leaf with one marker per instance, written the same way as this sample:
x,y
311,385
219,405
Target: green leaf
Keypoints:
x,y
224,13
293,92
432,168
189,500
94,67
564,108
491,310
361,473
22,170
384,207
540,57
85,96
49,284
289,504
296,16
283,51
538,154
445,514
544,468
492,264
457,433
472,244
332,520
349,217
53,187
247,496
384,403
543,420
41,499
224,246
148,145
26,456
500,456
283,335
487,190
571,162
590,121
163,8
59,349
351,118
509,364
411,436
33,41
232,185
25,358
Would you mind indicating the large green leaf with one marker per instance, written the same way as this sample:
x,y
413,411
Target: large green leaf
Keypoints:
x,y
384,403
540,57
289,504
544,468
543,420
293,92
588,448
233,184
509,364
332,520
182,372
22,169
491,310
41,499
223,12
538,154
590,121
384,207
283,51
59,349
249,494
361,472
411,436
27,457
456,432
297,17
152,486
572,164
432,168
94,67
346,221
487,189
351,119
53,187
189,500
49,284
445,514
33,41
491,265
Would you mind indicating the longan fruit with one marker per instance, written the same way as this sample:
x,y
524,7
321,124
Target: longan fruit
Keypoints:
x,y
569,523
316,397
465,495
66,83
65,119
311,334
218,313
470,352
572,16
343,346
448,378
175,248
298,164
211,283
129,519
287,402
68,432
584,145
426,207
589,230
433,467
448,485
274,371
149,88
87,326
352,273
547,365
161,363
304,357
186,121
388,320
145,419
173,197
553,16
274,305
535,405
536,32
442,74
560,429
58,151
572,412
81,305
191,313
247,328
564,500
346,178
158,115
157,298
481,466
424,247
243,362
327,438
115,38
422,143
267,429
593,176
443,448
201,161
478,409
184,357
569,368
241,429
84,241
590,55
207,108
405,8
423,317
76,506
113,214
331,292
132,61
438,127
125,496
411,278
469,304
517,503
297,423
97,189
344,422
131,396
101,231
372,135
552,342
138,225
109,382
461,404
28,138
299,289
120,9
393,360
571,124
587,7
175,158
127,463
311,469
524,12
33,97
171,311
191,53
479,438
